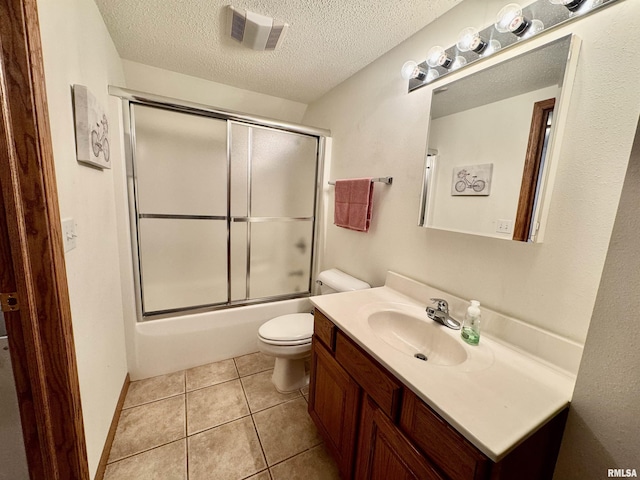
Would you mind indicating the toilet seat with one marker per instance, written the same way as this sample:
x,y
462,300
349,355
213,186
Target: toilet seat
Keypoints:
x,y
292,329
286,343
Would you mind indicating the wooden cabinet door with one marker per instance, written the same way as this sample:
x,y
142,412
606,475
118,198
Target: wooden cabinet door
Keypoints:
x,y
445,447
384,453
334,403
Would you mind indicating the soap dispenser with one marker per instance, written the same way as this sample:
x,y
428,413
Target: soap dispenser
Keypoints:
x,y
471,326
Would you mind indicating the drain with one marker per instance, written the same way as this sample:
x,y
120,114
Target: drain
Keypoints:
x,y
421,356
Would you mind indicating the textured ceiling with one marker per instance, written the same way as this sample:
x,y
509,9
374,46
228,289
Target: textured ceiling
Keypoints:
x,y
327,41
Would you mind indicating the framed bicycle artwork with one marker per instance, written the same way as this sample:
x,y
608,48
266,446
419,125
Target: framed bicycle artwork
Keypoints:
x,y
92,129
472,180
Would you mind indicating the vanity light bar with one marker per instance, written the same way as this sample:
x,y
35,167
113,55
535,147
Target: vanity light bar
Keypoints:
x,y
514,25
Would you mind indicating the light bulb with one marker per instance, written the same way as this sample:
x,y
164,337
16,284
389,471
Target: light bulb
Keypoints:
x,y
469,40
492,47
510,19
458,62
571,5
437,57
584,7
412,70
535,27
432,75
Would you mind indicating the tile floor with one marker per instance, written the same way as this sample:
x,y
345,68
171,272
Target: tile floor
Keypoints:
x,y
224,421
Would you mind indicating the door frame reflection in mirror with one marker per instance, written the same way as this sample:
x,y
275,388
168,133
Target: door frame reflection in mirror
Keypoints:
x,y
539,137
534,224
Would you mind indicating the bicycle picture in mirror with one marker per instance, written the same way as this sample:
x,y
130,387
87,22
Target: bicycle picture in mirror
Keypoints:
x,y
92,129
472,180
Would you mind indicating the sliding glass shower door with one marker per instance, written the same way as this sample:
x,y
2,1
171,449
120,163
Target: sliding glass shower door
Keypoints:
x,y
273,178
224,211
181,187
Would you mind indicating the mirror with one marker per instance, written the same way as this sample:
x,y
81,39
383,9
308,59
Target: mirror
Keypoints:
x,y
491,145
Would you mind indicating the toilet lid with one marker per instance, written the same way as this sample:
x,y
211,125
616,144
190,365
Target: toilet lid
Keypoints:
x,y
288,328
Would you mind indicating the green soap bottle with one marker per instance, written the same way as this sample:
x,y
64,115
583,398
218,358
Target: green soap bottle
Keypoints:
x,y
471,326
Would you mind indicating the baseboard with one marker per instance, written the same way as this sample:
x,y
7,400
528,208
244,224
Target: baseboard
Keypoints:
x,y
102,466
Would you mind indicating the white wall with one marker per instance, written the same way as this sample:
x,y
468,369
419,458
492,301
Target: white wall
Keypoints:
x,y
185,87
78,49
603,427
378,129
495,133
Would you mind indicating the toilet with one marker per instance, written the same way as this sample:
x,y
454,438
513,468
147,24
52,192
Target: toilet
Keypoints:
x,y
288,337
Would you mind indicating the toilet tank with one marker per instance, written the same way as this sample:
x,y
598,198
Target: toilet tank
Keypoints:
x,y
334,280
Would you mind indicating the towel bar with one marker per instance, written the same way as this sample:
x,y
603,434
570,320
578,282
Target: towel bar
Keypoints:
x,y
387,180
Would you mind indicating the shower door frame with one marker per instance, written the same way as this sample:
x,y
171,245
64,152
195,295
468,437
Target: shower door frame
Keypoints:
x,y
131,98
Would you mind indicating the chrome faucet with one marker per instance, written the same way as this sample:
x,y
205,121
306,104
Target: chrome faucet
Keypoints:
x,y
440,314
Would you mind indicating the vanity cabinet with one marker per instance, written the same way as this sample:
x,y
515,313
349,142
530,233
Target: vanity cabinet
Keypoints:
x,y
334,406
377,428
384,453
456,456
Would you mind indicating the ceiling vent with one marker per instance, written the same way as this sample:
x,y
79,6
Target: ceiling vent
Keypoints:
x,y
256,31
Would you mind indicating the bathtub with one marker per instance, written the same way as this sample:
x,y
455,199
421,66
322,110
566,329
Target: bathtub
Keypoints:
x,y
172,344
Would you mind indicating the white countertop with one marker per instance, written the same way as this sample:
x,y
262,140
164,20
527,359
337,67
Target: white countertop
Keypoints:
x,y
495,399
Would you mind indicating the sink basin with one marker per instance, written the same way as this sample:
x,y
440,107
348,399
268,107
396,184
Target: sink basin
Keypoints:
x,y
417,337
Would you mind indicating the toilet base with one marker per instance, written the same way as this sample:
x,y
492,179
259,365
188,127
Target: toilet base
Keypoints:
x,y
289,374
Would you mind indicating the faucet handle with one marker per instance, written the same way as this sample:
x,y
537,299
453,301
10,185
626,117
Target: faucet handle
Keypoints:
x,y
442,304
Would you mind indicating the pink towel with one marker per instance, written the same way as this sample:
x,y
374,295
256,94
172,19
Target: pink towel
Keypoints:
x,y
353,199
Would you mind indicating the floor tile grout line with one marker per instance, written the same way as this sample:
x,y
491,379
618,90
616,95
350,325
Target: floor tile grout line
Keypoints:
x,y
255,428
260,440
264,455
256,473
146,450
213,384
276,404
251,373
279,404
235,365
152,401
186,440
189,435
186,431
293,456
255,373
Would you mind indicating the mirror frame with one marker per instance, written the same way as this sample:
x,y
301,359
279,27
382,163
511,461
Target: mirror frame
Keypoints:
x,y
547,177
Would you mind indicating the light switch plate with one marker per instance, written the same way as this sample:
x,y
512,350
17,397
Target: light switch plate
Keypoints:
x,y
69,234
504,226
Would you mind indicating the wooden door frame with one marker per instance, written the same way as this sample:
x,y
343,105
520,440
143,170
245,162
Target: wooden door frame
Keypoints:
x,y
532,162
40,333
